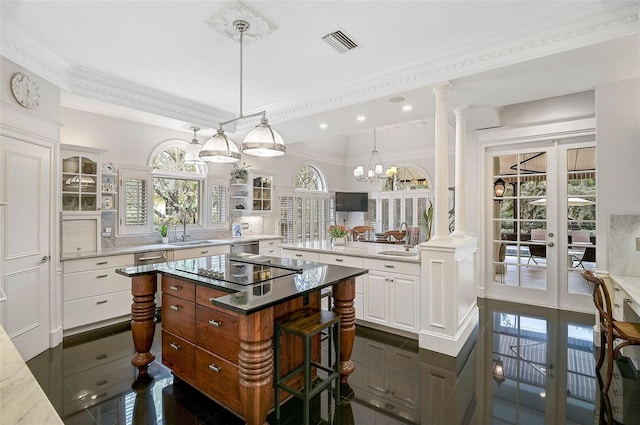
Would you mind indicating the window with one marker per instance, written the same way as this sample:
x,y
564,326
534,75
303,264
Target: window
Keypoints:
x,y
306,217
177,188
177,191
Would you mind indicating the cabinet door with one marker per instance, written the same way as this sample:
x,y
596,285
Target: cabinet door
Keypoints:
x,y
403,301
376,306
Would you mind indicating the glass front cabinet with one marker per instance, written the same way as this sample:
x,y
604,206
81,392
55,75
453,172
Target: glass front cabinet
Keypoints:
x,y
80,184
262,189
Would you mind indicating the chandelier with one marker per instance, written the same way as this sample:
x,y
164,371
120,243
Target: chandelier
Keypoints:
x,y
193,149
375,171
261,141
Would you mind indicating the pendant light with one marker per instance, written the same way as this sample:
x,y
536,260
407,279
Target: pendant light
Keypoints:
x,y
375,170
193,150
261,141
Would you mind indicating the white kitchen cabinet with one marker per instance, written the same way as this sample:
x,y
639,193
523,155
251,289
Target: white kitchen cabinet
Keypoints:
x,y
94,293
270,247
201,251
299,254
391,298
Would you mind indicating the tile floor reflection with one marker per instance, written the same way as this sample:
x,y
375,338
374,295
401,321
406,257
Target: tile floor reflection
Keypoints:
x,y
548,378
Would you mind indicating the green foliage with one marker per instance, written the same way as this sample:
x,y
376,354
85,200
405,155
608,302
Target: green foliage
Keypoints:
x,y
163,231
240,172
428,218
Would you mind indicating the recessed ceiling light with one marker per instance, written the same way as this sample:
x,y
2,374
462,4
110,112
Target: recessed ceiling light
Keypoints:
x,y
361,118
323,126
396,99
407,108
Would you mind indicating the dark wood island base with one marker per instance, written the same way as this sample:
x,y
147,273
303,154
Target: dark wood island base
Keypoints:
x,y
253,330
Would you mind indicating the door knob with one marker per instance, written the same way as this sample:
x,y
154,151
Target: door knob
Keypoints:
x,y
550,244
46,259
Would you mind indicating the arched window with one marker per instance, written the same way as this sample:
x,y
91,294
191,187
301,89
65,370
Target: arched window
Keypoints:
x,y
309,177
307,212
171,158
407,177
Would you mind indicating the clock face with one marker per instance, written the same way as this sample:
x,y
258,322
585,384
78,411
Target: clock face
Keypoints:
x,y
25,89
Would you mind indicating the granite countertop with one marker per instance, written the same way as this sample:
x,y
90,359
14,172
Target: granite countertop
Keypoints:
x,y
359,249
22,401
247,299
161,247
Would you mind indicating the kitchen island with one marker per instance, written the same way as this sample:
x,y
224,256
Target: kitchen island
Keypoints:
x,y
218,317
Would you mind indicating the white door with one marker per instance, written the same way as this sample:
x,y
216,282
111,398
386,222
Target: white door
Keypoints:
x,y
25,217
549,195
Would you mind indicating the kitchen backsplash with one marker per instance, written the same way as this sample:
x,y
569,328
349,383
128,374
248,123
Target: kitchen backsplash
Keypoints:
x,y
624,259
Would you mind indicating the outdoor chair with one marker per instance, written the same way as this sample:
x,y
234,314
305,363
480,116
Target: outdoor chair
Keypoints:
x,y
538,250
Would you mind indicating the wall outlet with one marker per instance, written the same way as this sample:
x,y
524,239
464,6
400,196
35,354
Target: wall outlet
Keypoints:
x,y
637,244
245,226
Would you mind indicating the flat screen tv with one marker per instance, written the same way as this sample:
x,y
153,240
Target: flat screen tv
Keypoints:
x,y
352,201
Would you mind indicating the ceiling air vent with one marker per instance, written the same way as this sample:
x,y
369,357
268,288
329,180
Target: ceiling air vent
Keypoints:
x,y
340,41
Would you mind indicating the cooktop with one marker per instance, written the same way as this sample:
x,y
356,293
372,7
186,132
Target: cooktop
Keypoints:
x,y
241,270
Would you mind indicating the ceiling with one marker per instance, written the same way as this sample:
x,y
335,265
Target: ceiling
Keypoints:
x,y
159,62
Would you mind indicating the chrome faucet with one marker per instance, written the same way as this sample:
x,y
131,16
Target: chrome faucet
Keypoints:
x,y
184,227
404,223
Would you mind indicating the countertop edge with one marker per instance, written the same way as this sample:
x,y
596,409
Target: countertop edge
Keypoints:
x,y
413,260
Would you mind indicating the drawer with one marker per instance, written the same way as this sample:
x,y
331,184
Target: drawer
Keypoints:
x,y
178,288
340,260
218,378
95,309
96,353
94,381
300,255
269,243
204,295
392,266
92,283
271,251
86,264
201,251
217,332
179,355
178,317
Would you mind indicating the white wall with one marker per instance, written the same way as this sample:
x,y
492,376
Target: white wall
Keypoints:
x,y
618,155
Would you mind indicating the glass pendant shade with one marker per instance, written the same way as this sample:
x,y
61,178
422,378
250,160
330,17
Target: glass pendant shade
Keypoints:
x,y
263,141
221,149
192,154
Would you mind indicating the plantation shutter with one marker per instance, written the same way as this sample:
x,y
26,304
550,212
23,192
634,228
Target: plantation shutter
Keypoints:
x,y
370,215
286,219
218,199
135,201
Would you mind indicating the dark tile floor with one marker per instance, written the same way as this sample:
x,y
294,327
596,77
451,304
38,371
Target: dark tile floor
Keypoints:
x,y
547,358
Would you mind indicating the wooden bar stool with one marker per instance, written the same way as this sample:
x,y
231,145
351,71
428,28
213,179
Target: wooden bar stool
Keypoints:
x,y
307,323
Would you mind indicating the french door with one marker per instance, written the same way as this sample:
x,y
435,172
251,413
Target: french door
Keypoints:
x,y
541,232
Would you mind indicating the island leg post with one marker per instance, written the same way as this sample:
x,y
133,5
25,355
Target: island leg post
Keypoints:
x,y
255,365
344,293
143,320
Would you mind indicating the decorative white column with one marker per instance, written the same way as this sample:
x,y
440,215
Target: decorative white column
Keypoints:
x,y
442,162
461,130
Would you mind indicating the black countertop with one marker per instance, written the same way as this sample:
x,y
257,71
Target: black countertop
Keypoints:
x,y
289,279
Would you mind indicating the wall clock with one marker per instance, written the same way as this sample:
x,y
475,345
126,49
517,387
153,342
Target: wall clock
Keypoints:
x,y
25,89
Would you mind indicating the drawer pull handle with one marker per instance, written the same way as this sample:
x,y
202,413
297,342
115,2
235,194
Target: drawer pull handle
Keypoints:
x,y
175,346
158,257
628,300
176,288
101,383
616,305
270,251
176,307
215,323
298,255
271,243
101,302
101,276
101,263
339,260
616,289
215,368
390,266
204,252
101,357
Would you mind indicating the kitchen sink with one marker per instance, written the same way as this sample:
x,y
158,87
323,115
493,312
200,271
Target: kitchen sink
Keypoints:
x,y
192,243
398,253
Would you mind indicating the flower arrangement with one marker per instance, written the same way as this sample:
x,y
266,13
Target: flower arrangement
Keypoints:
x,y
240,173
338,231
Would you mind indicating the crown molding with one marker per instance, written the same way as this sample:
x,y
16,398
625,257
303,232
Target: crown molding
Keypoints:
x,y
464,59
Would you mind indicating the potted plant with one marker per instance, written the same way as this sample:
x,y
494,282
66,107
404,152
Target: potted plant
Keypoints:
x,y
428,218
338,234
240,174
163,233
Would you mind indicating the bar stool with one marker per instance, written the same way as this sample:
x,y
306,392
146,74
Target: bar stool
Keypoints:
x,y
306,323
